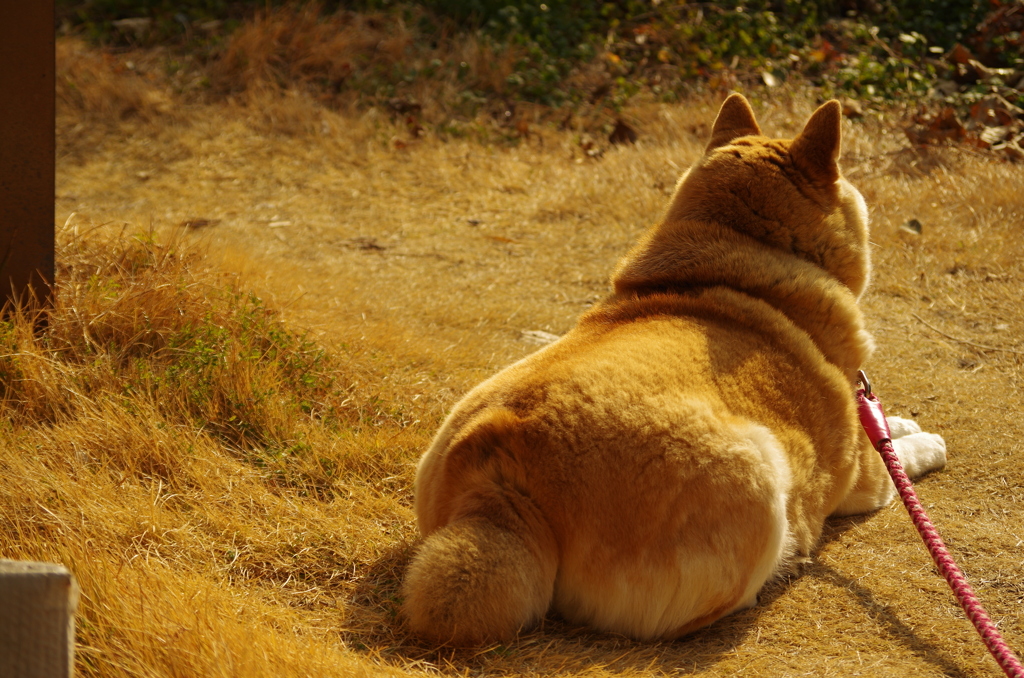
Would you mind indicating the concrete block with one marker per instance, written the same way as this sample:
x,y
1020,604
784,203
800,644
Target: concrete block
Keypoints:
x,y
37,620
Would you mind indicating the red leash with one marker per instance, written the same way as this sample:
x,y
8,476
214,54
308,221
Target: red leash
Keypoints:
x,y
873,420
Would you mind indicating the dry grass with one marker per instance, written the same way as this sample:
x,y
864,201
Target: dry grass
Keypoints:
x,y
330,53
343,58
165,439
206,549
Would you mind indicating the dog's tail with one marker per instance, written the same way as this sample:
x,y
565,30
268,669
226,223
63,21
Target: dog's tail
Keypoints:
x,y
485,575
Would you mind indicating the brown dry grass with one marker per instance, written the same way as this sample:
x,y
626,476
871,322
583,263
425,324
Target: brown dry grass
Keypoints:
x,y
331,55
419,268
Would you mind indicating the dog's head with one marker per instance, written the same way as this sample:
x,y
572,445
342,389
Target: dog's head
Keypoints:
x,y
786,193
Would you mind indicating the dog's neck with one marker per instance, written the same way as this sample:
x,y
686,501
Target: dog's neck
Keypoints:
x,y
692,256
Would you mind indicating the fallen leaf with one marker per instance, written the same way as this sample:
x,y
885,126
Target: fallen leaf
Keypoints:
x,y
993,110
959,54
935,128
826,52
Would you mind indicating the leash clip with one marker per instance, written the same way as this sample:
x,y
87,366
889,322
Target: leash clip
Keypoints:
x,y
862,378
872,418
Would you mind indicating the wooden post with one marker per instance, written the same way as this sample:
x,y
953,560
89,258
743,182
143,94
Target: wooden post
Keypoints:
x,y
37,620
27,150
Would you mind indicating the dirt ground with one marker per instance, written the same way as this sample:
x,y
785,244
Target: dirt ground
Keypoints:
x,y
439,261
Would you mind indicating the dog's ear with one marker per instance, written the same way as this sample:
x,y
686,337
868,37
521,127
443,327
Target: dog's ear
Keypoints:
x,y
735,119
816,150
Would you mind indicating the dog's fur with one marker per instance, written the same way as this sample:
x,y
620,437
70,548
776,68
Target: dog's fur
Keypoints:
x,y
647,473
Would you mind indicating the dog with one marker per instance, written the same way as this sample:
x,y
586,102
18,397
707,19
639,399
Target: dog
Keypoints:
x,y
683,444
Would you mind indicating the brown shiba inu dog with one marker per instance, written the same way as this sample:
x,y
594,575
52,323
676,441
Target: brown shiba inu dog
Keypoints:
x,y
648,473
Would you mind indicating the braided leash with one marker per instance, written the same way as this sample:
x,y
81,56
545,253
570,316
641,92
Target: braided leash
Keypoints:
x,y
873,420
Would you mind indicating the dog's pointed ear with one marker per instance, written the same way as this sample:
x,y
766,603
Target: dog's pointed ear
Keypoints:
x,y
816,150
735,119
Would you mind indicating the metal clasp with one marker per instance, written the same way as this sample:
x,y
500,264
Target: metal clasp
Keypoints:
x,y
863,379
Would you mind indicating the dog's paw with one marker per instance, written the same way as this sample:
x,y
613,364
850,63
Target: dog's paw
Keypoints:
x,y
920,453
899,427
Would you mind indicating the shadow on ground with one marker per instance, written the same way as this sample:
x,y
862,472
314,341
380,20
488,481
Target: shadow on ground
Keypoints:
x,y
375,627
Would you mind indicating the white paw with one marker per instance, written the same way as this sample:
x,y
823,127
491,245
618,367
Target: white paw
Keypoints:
x,y
920,453
899,427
